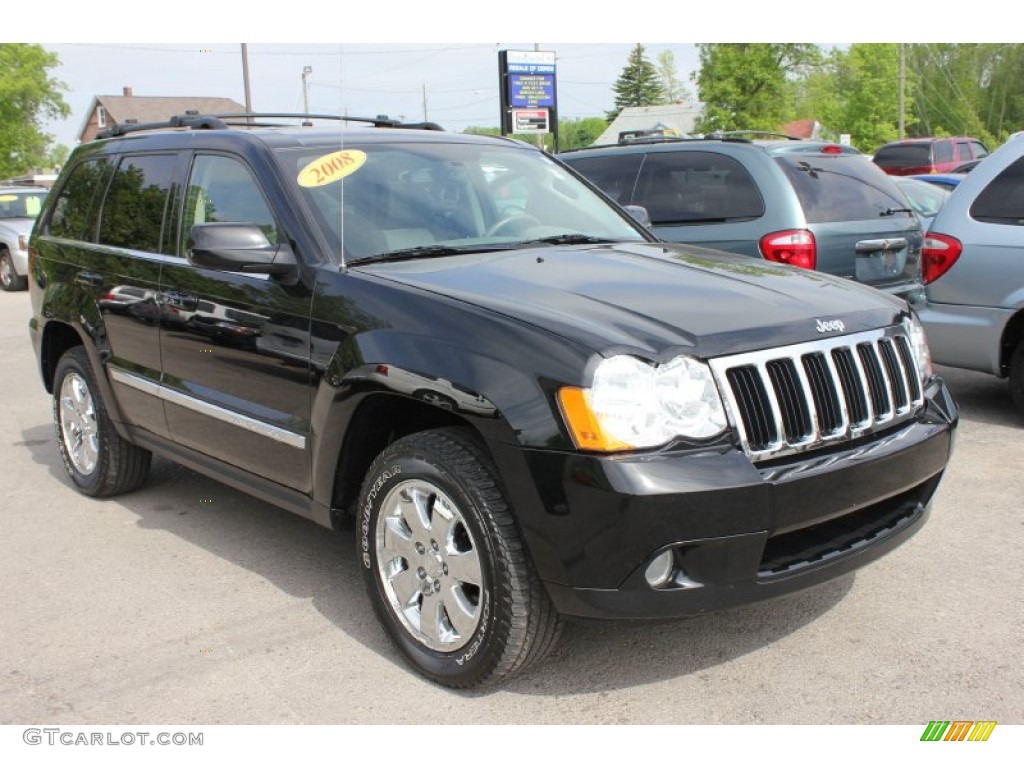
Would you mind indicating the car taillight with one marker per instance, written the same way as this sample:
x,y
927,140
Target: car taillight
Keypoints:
x,y
791,246
938,254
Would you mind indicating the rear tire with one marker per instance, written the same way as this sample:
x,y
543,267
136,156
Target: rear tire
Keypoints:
x,y
1017,377
97,459
444,565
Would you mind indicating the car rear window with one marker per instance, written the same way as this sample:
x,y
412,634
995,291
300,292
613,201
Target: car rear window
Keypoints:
x,y
1002,201
696,188
841,188
904,155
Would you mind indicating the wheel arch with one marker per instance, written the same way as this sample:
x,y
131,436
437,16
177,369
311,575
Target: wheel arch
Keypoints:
x,y
58,337
1013,333
376,422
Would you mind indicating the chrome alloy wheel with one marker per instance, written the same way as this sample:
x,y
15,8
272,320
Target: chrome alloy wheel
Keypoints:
x,y
78,423
429,565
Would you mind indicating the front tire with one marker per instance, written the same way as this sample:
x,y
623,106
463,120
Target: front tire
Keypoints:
x,y
10,280
97,459
444,564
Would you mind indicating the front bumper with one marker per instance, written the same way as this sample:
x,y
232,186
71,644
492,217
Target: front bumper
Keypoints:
x,y
739,533
19,259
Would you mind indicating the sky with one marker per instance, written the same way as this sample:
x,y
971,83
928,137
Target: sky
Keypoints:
x,y
404,58
454,84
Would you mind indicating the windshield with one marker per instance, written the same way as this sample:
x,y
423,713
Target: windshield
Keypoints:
x,y
925,198
432,199
20,205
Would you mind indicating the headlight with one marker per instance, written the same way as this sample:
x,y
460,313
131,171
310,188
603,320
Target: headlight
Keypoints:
x,y
919,346
632,404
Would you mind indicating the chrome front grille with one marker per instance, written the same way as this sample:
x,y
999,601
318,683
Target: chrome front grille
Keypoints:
x,y
803,396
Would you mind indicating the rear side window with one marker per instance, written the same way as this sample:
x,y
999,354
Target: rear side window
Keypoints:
x,y
614,174
1002,201
71,210
696,188
841,188
944,152
133,210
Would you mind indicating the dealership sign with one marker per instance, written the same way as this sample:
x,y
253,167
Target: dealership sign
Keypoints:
x,y
530,121
529,101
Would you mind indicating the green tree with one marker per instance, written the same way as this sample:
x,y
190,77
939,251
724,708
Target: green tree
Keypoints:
x,y
968,89
856,91
28,96
572,133
639,84
581,132
672,87
748,86
57,156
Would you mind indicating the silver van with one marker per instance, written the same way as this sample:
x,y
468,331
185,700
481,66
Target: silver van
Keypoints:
x,y
973,267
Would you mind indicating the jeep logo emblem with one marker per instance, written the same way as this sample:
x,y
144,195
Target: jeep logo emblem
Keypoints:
x,y
824,326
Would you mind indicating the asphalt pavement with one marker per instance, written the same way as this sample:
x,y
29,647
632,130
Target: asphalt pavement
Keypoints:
x,y
189,602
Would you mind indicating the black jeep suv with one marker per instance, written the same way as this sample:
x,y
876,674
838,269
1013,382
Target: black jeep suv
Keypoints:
x,y
529,407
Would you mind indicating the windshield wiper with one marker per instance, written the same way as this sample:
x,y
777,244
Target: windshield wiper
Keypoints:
x,y
891,211
569,238
416,252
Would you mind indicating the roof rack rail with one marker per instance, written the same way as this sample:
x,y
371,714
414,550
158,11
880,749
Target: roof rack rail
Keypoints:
x,y
739,134
222,121
662,140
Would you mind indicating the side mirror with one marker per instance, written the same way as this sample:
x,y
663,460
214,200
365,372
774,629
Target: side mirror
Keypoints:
x,y
231,247
639,213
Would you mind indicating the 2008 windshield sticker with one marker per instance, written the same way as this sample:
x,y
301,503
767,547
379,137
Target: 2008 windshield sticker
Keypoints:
x,y
331,168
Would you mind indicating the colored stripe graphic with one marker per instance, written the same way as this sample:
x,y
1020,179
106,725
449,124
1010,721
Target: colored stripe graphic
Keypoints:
x,y
982,730
958,730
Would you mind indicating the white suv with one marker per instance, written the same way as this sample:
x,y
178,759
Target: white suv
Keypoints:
x,y
19,207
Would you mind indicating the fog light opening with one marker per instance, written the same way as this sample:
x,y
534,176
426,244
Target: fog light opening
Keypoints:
x,y
661,569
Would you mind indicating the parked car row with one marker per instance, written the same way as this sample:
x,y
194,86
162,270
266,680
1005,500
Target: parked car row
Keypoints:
x,y
825,207
811,204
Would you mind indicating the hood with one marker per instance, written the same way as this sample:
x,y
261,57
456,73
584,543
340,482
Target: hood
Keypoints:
x,y
653,299
18,226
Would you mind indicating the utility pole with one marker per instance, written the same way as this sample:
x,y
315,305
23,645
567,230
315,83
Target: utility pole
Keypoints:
x,y
306,71
903,79
245,77
425,118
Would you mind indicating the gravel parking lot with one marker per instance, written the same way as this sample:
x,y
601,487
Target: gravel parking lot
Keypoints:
x,y
188,602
